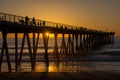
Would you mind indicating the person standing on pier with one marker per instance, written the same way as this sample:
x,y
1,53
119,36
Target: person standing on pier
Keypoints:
x,y
33,21
43,23
26,20
40,24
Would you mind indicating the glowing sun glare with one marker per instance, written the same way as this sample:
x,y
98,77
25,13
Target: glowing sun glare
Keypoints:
x,y
47,33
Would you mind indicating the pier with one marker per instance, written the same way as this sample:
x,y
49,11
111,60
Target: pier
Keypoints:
x,y
79,39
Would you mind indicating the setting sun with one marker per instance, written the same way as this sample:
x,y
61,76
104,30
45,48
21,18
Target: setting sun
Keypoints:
x,y
47,33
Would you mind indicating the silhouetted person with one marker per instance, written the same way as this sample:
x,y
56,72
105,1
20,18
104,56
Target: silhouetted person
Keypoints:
x,y
26,20
43,23
40,23
33,21
61,27
57,26
65,27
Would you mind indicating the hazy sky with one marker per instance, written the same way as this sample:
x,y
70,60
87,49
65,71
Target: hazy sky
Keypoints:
x,y
95,14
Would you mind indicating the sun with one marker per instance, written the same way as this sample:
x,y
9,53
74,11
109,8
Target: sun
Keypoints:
x,y
47,33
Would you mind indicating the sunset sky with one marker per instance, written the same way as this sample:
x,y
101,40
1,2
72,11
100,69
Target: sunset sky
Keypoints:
x,y
94,14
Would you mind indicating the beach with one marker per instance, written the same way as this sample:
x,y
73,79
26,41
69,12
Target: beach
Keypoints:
x,y
60,76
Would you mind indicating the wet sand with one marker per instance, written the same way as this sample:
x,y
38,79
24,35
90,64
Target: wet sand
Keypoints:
x,y
95,75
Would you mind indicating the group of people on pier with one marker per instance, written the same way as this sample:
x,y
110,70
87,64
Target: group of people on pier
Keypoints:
x,y
33,22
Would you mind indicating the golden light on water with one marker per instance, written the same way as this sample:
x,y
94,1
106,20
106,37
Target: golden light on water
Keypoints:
x,y
40,68
53,68
43,68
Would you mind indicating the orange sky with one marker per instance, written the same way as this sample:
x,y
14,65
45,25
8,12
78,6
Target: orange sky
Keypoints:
x,y
95,14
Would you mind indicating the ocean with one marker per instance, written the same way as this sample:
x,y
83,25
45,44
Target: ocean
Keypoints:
x,y
104,58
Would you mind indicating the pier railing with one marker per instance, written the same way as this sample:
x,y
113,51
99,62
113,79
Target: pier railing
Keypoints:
x,y
38,23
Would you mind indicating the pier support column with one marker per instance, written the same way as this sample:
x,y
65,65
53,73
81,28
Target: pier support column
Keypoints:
x,y
69,46
30,52
63,49
34,50
5,48
112,38
76,38
80,44
93,40
22,47
107,37
36,46
55,51
72,44
26,35
16,52
87,42
84,43
46,39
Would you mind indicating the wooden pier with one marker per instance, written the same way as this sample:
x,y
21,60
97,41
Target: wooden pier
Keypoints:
x,y
80,40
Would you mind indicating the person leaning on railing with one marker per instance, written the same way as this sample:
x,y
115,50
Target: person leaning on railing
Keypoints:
x,y
34,21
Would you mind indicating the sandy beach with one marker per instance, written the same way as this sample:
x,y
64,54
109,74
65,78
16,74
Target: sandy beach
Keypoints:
x,y
95,75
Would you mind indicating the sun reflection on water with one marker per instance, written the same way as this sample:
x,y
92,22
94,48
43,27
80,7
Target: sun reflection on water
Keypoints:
x,y
62,67
40,68
43,68
52,69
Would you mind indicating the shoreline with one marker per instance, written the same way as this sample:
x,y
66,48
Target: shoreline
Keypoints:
x,y
108,56
96,75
